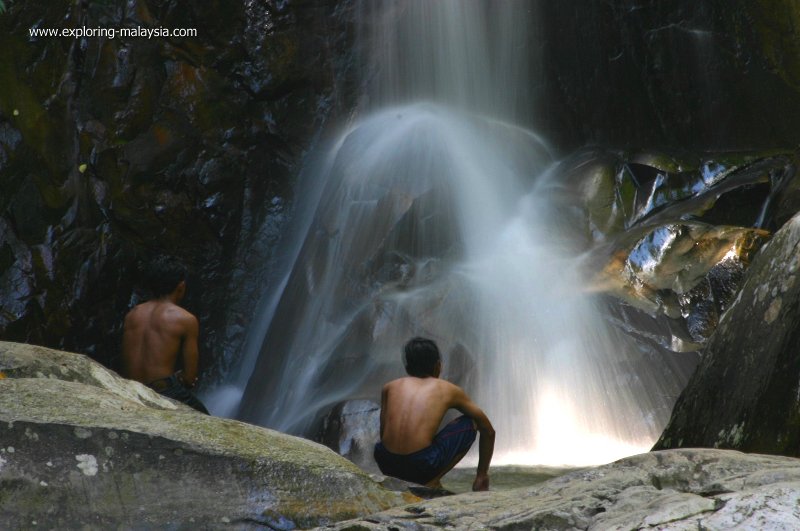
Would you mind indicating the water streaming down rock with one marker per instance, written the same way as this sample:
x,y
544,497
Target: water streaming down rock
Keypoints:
x,y
435,219
477,55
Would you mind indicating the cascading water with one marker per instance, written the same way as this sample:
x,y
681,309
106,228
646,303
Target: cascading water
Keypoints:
x,y
434,216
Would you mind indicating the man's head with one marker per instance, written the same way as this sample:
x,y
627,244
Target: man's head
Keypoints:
x,y
421,358
164,275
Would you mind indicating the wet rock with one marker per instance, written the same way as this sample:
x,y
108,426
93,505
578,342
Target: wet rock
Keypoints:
x,y
687,270
618,192
351,429
742,395
116,149
670,490
716,74
672,236
82,447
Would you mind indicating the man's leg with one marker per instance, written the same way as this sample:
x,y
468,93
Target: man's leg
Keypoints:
x,y
177,391
436,483
454,441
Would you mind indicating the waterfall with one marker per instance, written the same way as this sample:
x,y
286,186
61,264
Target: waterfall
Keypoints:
x,y
437,214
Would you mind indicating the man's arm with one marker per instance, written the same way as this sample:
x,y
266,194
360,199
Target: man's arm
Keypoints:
x,y
130,356
190,350
383,410
463,403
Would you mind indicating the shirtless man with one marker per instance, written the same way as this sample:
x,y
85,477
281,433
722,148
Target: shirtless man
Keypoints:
x,y
158,332
412,409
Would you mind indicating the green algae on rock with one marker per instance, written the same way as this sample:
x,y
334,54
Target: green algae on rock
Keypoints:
x,y
80,445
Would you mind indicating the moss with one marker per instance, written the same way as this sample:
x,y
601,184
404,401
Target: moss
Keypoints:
x,y
664,162
28,81
282,478
777,25
626,193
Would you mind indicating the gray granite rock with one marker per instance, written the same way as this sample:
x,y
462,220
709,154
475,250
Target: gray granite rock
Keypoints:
x,y
96,451
669,490
351,429
744,394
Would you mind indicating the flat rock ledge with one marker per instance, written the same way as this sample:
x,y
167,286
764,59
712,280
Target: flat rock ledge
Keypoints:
x,y
82,448
686,489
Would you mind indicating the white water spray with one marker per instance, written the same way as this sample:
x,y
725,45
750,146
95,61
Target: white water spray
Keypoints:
x,y
436,219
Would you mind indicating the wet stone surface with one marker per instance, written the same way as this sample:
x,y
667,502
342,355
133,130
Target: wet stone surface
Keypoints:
x,y
670,490
82,447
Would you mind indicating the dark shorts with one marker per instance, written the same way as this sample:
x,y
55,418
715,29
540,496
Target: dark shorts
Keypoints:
x,y
424,465
173,388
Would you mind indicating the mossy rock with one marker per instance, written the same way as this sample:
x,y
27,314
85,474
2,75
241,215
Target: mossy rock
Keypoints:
x,y
744,394
85,448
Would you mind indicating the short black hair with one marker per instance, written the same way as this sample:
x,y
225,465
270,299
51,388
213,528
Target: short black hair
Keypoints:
x,y
420,357
163,275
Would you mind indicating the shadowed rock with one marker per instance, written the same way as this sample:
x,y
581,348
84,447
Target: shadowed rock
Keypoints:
x,y
744,394
351,429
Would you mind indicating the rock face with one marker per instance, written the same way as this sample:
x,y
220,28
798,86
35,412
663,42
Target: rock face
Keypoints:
x,y
82,447
669,490
113,150
717,74
351,429
745,393
671,236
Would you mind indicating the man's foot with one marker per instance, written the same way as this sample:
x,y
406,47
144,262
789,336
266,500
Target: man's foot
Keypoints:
x,y
429,493
434,484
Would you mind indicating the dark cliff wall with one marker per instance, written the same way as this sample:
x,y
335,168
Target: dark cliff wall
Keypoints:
x,y
114,150
710,75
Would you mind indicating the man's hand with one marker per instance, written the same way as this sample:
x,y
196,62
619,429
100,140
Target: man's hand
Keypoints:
x,y
481,482
189,384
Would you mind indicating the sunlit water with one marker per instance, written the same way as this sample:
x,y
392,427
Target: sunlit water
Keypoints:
x,y
440,224
437,218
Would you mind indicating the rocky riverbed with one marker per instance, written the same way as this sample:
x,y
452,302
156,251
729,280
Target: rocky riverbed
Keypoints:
x,y
82,447
691,489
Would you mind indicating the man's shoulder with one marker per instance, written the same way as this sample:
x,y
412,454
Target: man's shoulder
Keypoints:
x,y
411,382
178,311
139,310
449,387
183,316
403,383
397,382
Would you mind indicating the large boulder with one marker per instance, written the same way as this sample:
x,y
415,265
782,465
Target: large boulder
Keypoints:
x,y
669,490
82,447
745,393
351,429
671,236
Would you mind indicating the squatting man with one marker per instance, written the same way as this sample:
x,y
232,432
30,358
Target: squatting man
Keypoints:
x,y
412,408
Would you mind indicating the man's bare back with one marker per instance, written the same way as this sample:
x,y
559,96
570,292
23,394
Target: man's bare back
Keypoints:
x,y
156,333
414,407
